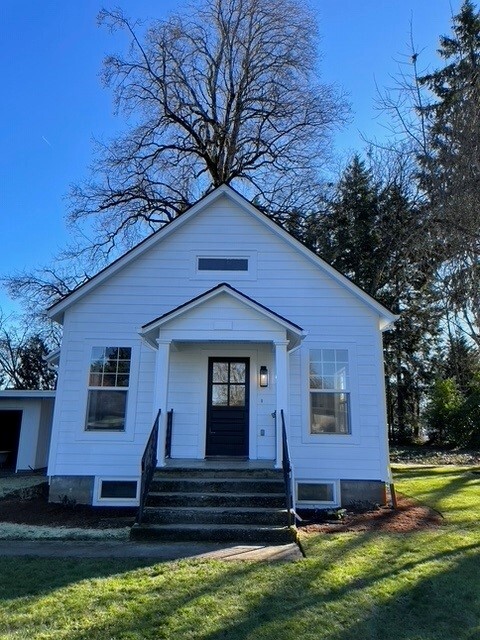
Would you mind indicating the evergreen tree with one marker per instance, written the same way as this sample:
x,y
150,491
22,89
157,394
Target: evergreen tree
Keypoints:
x,y
33,371
352,239
450,164
370,235
461,362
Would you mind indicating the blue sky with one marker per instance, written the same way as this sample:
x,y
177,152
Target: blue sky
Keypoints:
x,y
53,103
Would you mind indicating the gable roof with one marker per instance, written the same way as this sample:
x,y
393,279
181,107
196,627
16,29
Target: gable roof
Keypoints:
x,y
56,311
294,331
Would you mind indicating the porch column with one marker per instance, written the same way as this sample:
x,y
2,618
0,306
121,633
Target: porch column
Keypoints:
x,y
160,393
281,368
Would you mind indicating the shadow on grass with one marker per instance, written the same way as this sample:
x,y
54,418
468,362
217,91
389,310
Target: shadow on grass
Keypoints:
x,y
242,602
439,484
329,597
28,576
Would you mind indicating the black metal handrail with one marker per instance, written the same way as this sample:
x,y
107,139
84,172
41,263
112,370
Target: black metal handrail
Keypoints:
x,y
148,466
168,434
287,471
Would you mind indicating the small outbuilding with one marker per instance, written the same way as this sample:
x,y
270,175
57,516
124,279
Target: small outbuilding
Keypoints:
x,y
25,429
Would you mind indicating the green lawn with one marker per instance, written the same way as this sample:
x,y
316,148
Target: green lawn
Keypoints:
x,y
350,587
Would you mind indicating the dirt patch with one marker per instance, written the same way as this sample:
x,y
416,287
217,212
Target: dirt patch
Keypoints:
x,y
409,516
32,508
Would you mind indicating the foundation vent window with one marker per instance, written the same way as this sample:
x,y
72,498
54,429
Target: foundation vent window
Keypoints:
x,y
118,489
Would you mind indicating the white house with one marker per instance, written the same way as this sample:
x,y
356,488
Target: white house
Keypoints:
x,y
226,319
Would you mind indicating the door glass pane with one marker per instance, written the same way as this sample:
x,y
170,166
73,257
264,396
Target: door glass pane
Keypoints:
x,y
237,372
220,395
237,395
220,372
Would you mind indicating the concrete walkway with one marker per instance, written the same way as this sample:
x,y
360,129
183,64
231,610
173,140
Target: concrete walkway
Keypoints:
x,y
154,551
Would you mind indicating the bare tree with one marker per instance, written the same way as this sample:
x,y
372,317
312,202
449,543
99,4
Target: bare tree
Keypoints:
x,y
22,356
228,93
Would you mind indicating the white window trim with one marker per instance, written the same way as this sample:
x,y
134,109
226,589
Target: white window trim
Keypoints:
x,y
92,435
318,503
222,275
330,438
114,502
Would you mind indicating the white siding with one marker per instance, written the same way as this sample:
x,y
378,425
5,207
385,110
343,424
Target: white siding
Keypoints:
x,y
160,280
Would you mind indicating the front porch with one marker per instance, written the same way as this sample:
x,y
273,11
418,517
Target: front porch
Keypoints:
x,y
221,377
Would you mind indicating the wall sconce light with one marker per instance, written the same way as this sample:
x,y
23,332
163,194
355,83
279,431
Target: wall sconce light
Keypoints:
x,y
263,376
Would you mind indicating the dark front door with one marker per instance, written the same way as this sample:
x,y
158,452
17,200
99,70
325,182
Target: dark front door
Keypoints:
x,y
227,407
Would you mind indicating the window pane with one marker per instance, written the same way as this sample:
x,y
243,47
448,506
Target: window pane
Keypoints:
x,y
109,380
96,366
105,360
220,395
315,368
223,264
124,353
98,353
316,382
111,353
329,369
110,366
329,413
237,372
123,366
106,410
119,489
95,380
122,381
220,372
327,382
237,395
315,492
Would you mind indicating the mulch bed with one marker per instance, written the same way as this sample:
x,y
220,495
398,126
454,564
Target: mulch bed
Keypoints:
x,y
33,508
409,516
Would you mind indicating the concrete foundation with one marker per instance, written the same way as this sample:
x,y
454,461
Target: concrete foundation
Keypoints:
x,y
78,489
362,491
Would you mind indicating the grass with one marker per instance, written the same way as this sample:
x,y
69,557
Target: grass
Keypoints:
x,y
419,586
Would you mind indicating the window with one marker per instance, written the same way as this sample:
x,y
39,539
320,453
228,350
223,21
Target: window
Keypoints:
x,y
119,489
329,391
316,492
228,383
222,264
109,378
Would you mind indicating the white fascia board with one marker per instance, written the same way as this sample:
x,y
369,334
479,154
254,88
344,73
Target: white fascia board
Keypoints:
x,y
27,393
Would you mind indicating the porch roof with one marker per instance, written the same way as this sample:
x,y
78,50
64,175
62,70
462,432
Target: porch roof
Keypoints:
x,y
294,333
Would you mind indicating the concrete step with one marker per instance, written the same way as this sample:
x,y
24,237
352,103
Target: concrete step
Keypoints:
x,y
218,472
177,484
213,533
215,515
182,499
